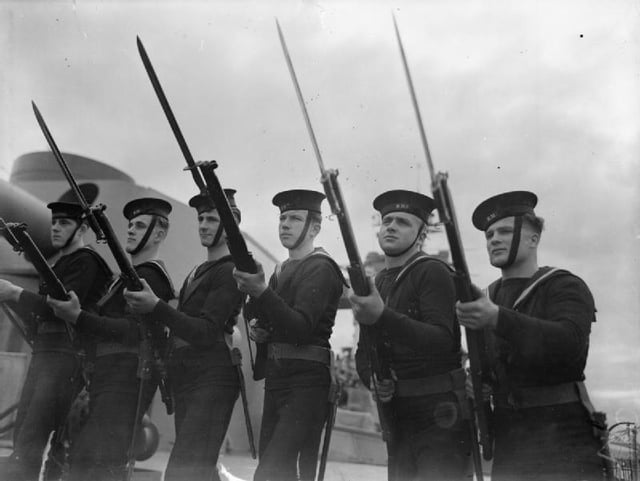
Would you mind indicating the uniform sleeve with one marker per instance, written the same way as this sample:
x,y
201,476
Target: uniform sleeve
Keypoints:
x,y
125,329
222,302
435,326
79,276
562,336
319,287
31,305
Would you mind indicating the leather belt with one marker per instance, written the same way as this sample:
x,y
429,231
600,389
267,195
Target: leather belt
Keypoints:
x,y
425,386
540,396
281,350
106,348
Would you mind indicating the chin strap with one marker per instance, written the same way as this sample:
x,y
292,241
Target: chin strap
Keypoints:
x,y
303,234
216,238
515,241
146,236
410,245
73,234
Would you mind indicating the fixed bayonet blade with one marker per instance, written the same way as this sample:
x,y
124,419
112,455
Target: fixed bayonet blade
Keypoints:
x,y
303,106
414,101
170,117
58,155
69,176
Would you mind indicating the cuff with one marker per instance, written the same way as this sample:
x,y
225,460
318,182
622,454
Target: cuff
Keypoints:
x,y
386,319
505,326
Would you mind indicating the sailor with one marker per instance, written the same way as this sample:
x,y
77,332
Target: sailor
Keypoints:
x,y
205,381
295,315
99,452
538,320
409,329
55,373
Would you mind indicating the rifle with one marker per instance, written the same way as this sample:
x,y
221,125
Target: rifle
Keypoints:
x,y
475,339
357,275
91,220
207,181
205,178
19,238
101,226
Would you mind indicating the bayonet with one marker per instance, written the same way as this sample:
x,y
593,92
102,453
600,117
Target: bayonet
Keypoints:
x,y
170,117
475,339
67,173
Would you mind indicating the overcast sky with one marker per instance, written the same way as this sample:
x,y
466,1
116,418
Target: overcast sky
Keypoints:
x,y
541,96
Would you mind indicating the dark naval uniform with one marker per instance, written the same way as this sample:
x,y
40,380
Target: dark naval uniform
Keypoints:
x,y
204,380
299,309
545,426
54,377
542,412
419,337
99,452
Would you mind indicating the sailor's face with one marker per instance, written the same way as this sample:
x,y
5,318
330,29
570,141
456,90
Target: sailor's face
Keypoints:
x,y
499,236
208,224
398,231
291,226
62,228
136,230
